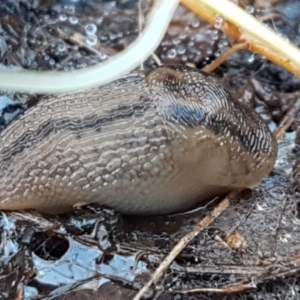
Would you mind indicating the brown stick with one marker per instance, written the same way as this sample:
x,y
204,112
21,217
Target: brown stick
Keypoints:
x,y
223,56
185,241
287,120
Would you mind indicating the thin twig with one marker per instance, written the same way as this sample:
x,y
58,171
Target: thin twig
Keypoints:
x,y
78,39
227,269
221,58
273,272
225,290
287,121
185,241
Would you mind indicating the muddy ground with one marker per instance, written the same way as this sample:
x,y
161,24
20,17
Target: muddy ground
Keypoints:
x,y
95,253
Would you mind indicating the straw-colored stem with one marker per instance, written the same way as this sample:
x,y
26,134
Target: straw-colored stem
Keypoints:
x,y
245,28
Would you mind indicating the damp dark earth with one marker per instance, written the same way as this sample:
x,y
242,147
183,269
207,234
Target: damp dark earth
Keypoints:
x,y
95,253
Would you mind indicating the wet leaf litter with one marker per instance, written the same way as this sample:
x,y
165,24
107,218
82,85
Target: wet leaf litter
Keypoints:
x,y
267,220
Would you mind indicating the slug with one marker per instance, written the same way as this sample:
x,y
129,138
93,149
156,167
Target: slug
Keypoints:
x,y
152,142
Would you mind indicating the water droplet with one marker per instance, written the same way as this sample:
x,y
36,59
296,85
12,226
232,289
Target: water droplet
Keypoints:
x,y
103,38
172,53
73,20
175,41
91,40
90,29
284,37
196,24
99,20
261,207
51,62
215,35
191,44
61,47
112,36
70,8
181,49
296,221
63,17
251,58
103,56
222,45
165,43
283,238
249,9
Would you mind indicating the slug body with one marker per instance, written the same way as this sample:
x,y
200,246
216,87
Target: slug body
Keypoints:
x,y
150,143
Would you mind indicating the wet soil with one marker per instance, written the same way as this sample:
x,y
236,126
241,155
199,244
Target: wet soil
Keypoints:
x,y
94,253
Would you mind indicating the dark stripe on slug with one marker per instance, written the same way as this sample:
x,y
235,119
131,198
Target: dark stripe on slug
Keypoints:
x,y
253,134
95,122
220,124
243,124
250,138
192,100
185,115
197,99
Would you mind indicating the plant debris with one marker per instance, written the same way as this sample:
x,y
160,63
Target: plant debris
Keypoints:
x,y
251,251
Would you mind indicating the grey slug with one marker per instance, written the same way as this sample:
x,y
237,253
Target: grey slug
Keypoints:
x,y
153,142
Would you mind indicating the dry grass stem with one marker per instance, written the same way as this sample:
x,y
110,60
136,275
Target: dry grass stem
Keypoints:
x,y
243,27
